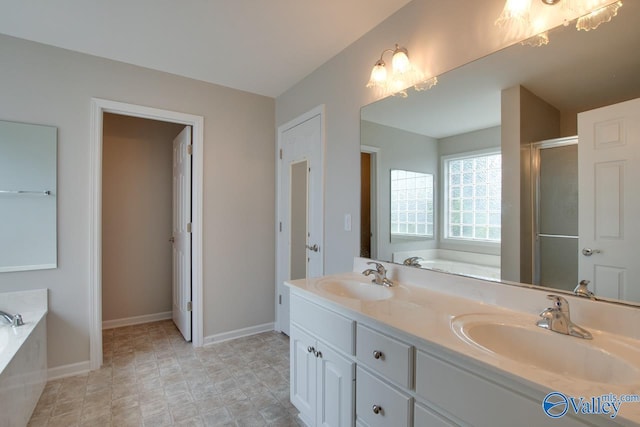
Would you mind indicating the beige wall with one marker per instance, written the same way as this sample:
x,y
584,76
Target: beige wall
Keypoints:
x,y
51,86
440,35
137,202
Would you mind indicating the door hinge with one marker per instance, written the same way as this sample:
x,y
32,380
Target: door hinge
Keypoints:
x,y
188,227
281,154
280,299
281,226
189,306
190,149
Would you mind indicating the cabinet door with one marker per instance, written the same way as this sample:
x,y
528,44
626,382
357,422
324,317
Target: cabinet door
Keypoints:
x,y
336,385
303,363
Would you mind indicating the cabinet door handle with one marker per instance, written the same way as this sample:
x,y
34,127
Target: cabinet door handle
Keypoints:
x,y
319,354
377,409
311,350
378,354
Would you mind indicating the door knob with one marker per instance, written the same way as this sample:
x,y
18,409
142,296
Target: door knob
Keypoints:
x,y
589,251
172,239
313,248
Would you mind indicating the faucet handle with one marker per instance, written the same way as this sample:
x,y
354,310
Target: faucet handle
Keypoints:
x,y
379,267
17,320
559,302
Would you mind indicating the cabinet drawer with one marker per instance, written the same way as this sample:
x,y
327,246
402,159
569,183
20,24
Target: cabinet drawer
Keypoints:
x,y
327,325
395,407
424,417
385,355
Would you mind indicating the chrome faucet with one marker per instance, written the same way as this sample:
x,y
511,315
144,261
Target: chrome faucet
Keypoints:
x,y
558,319
414,261
379,275
583,291
14,320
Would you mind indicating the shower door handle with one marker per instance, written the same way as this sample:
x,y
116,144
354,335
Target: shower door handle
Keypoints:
x,y
589,251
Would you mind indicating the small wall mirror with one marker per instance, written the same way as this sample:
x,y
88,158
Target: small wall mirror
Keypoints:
x,y
28,193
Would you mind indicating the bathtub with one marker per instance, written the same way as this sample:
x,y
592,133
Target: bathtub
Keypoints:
x,y
23,356
471,264
465,268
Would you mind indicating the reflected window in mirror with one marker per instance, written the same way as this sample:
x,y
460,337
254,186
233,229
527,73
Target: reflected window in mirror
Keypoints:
x,y
411,204
473,187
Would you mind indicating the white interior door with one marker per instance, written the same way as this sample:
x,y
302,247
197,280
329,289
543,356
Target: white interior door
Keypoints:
x,y
300,251
609,170
182,232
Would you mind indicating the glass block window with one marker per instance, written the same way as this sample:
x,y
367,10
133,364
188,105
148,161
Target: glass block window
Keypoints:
x,y
474,194
411,204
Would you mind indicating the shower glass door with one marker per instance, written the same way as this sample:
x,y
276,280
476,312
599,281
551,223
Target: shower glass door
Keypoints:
x,y
554,171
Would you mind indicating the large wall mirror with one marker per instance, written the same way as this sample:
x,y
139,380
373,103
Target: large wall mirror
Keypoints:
x,y
28,194
501,138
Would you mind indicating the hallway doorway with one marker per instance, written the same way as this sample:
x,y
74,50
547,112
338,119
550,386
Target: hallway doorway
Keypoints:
x,y
192,267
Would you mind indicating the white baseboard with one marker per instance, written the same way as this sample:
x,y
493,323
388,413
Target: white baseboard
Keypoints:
x,y
137,320
68,370
238,333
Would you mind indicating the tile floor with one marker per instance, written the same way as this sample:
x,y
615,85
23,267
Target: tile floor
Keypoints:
x,y
152,377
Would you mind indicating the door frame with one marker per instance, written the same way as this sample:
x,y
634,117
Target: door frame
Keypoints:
x,y
376,152
98,108
535,148
280,249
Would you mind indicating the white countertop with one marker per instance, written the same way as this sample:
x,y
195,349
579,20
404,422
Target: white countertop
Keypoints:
x,y
426,313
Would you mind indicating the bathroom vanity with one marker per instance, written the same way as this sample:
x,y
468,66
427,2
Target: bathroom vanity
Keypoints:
x,y
440,350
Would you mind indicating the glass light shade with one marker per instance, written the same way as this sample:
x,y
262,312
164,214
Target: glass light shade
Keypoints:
x,y
538,40
400,61
599,16
515,12
378,75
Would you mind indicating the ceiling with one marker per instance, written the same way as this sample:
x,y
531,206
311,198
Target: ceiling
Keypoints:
x,y
259,46
576,71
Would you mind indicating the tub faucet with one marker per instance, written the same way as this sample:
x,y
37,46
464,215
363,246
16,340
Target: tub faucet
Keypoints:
x,y
14,320
413,261
379,275
558,319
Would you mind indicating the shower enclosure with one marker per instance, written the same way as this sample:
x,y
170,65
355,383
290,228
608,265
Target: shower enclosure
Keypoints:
x,y
554,193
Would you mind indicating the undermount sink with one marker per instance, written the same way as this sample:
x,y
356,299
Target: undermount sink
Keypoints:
x,y
355,289
606,359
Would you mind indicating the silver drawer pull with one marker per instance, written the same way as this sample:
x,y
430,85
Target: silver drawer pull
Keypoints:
x,y
377,409
378,354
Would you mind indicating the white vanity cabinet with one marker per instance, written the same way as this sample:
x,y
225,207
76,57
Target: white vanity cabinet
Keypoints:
x,y
322,366
347,370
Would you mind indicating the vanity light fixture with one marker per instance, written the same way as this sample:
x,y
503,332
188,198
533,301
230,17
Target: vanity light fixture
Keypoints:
x,y
517,16
599,16
403,75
